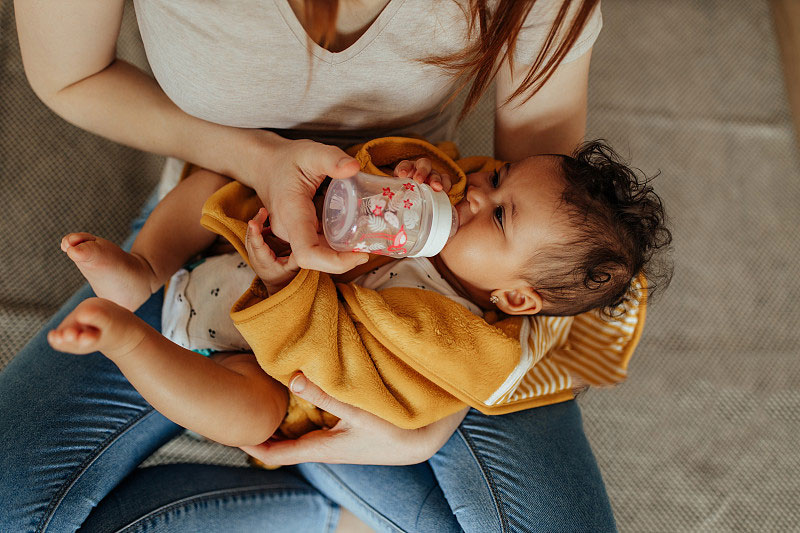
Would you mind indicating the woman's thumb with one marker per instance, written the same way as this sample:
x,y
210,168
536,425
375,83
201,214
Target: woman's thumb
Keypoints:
x,y
302,387
331,161
345,167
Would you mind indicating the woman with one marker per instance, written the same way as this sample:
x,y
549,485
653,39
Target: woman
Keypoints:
x,y
72,428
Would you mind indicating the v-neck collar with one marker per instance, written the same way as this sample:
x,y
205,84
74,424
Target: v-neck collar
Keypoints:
x,y
354,49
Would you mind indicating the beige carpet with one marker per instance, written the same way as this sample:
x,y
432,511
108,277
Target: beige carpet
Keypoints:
x,y
703,436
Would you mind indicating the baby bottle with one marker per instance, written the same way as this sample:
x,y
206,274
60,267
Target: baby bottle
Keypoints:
x,y
387,216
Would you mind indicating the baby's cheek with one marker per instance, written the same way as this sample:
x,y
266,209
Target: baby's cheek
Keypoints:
x,y
463,254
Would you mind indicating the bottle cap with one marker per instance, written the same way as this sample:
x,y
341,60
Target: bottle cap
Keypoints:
x,y
442,225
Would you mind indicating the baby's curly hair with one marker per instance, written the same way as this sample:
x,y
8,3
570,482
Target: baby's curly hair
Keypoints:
x,y
618,229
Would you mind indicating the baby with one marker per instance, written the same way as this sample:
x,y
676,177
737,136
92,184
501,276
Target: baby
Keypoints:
x,y
550,234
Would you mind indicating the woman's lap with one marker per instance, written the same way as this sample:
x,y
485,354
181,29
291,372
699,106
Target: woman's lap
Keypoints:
x,y
526,471
72,429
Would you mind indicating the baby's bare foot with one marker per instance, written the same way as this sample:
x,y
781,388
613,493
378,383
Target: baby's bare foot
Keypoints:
x,y
113,273
98,325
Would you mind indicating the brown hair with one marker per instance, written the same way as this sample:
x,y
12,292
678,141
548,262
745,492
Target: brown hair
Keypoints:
x,y
481,60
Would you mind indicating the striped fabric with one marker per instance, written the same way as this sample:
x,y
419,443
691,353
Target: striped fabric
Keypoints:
x,y
588,349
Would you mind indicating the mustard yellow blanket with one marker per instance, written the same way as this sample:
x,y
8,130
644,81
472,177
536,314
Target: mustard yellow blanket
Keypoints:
x,y
413,356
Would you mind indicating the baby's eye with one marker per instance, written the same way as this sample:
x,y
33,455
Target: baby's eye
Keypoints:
x,y
495,179
498,214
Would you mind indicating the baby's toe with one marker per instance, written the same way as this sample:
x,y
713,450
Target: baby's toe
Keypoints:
x,y
94,314
74,239
63,336
82,251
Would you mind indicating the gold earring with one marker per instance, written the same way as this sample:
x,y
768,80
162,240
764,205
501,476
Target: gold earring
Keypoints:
x,y
494,299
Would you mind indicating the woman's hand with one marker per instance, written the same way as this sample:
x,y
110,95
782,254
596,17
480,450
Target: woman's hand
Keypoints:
x,y
285,175
358,438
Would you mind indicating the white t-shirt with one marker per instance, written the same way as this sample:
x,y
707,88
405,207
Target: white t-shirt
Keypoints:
x,y
247,64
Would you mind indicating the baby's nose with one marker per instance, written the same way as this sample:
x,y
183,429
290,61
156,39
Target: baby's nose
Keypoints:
x,y
475,197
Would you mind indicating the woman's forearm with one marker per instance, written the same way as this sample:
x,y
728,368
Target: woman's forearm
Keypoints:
x,y
69,52
124,104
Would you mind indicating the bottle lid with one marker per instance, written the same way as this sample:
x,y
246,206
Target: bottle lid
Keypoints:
x,y
442,225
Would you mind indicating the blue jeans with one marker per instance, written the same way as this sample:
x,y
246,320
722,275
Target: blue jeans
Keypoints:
x,y
73,431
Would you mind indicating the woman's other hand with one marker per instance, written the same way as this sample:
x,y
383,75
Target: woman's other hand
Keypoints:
x,y
358,438
286,175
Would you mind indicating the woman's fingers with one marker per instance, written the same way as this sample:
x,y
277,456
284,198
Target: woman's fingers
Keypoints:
x,y
358,438
316,160
300,222
312,447
301,386
325,446
294,218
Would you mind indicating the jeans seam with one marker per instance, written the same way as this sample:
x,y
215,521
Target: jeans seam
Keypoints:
x,y
92,457
333,518
424,501
206,496
487,476
367,506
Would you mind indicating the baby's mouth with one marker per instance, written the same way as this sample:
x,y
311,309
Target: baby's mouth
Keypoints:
x,y
460,207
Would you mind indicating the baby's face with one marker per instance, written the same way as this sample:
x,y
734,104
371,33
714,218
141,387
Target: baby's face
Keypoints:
x,y
504,218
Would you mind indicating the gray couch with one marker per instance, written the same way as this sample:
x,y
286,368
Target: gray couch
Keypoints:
x,y
703,435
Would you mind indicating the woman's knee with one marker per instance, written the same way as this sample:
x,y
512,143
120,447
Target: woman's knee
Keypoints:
x,y
526,471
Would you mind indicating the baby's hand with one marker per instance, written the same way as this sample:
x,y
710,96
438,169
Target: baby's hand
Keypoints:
x,y
422,171
275,272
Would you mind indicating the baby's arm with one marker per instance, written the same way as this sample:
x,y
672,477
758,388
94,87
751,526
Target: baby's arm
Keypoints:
x,y
227,398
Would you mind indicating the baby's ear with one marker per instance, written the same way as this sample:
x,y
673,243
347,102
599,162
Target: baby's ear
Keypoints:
x,y
521,301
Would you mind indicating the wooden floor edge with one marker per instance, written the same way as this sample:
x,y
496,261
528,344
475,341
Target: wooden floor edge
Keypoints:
x,y
786,17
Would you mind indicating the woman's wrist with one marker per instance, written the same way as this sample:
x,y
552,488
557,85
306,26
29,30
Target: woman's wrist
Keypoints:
x,y
251,152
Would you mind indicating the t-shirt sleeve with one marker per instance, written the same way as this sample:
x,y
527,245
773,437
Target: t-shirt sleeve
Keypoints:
x,y
537,26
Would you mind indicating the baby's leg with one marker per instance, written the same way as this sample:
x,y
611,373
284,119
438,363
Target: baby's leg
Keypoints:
x,y
229,399
171,235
